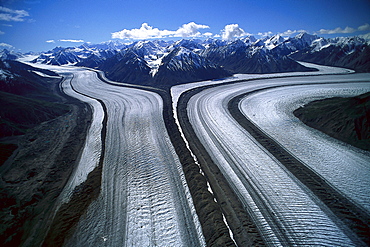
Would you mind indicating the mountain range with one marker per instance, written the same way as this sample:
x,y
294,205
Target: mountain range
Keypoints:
x,y
165,63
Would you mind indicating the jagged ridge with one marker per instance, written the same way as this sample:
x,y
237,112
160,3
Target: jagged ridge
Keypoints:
x,y
166,63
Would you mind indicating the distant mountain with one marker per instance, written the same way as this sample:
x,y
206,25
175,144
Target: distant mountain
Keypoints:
x,y
96,58
167,63
351,52
85,55
246,56
294,44
274,41
183,65
9,55
166,66
126,67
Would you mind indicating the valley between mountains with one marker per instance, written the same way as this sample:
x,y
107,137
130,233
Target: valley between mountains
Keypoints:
x,y
216,157
144,196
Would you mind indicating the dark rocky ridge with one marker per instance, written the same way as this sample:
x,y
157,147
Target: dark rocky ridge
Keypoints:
x,y
241,224
346,119
126,67
359,60
22,113
48,144
27,99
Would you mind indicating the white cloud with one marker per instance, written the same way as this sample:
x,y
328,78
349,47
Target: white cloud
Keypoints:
x,y
144,32
365,27
5,45
72,40
265,34
50,41
232,31
208,34
189,30
291,32
7,14
338,30
1,32
149,32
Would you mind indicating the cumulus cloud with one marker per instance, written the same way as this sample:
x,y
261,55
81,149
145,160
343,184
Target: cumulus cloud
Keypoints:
x,y
7,14
232,31
189,30
72,40
50,41
364,27
144,32
6,46
149,32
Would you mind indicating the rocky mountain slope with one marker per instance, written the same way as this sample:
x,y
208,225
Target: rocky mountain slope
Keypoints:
x,y
41,134
347,119
26,98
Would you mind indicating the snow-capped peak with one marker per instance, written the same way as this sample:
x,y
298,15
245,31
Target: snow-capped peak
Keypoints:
x,y
274,41
305,38
183,51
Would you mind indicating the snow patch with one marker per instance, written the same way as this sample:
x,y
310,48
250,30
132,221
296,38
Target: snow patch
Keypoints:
x,y
45,75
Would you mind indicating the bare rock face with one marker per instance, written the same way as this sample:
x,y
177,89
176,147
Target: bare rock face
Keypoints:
x,y
346,119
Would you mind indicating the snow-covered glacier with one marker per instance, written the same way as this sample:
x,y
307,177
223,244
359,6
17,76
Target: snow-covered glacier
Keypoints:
x,y
144,199
345,167
285,210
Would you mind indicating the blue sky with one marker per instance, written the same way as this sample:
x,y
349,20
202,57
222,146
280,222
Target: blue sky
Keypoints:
x,y
39,25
